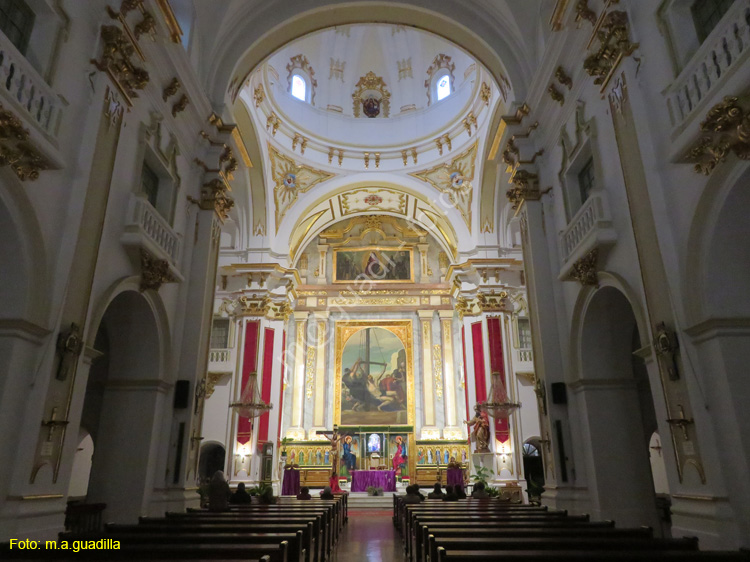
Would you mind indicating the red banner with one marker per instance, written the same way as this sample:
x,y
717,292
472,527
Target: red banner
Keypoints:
x,y
497,365
265,391
249,365
281,385
480,383
466,376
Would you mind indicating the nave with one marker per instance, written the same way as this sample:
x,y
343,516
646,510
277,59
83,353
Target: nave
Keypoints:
x,y
319,530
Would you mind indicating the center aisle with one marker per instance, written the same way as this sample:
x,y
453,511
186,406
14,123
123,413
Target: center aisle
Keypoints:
x,y
369,537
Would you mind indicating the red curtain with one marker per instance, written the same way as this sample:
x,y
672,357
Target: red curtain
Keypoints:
x,y
265,391
480,383
249,365
497,364
281,386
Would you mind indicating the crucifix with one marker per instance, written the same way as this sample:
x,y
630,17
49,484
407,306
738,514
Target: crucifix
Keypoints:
x,y
682,422
334,438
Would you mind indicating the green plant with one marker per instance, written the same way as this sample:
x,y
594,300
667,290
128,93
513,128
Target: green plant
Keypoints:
x,y
374,491
534,490
283,443
260,489
492,492
482,475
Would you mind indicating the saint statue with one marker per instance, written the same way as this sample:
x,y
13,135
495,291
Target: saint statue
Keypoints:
x,y
69,346
481,431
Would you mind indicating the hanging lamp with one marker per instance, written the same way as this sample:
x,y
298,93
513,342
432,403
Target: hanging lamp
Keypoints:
x,y
250,404
498,405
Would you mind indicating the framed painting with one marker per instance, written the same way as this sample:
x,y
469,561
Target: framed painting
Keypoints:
x,y
374,264
374,373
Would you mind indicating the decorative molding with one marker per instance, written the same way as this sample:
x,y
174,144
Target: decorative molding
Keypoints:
x,y
491,302
614,45
437,369
180,106
175,31
273,123
583,12
440,61
556,20
15,150
300,61
214,197
526,187
455,180
726,130
171,89
556,94
563,78
290,180
154,272
366,89
259,95
404,69
585,269
337,69
310,371
116,61
485,93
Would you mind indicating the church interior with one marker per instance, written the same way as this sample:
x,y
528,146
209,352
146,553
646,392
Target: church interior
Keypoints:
x,y
377,247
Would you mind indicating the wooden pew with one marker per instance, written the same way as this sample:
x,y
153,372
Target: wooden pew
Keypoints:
x,y
588,556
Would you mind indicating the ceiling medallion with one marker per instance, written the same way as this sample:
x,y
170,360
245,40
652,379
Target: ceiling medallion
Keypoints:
x,y
371,87
454,179
290,179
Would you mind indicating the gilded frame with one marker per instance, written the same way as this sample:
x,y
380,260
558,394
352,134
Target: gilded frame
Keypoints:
x,y
403,330
368,280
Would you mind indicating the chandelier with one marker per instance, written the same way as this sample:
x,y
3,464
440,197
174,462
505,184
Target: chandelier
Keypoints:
x,y
498,405
250,404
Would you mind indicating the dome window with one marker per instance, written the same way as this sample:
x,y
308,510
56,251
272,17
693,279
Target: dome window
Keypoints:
x,y
443,87
299,87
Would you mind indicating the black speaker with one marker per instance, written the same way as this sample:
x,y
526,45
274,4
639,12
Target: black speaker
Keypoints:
x,y
181,394
559,393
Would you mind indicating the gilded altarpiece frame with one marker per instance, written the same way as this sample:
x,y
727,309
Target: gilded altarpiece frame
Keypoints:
x,y
403,332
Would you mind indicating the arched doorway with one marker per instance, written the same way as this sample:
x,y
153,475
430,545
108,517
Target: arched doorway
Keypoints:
x,y
617,406
124,396
79,476
212,458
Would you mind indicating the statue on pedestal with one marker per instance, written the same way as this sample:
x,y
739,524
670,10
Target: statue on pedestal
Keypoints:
x,y
481,431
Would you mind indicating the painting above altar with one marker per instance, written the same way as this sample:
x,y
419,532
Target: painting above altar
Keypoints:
x,y
373,265
374,373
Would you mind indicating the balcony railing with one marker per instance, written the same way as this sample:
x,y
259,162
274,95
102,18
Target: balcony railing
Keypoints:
x,y
591,227
218,355
720,52
525,355
145,221
20,82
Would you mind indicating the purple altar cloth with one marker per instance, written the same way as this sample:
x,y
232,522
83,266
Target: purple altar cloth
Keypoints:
x,y
290,485
362,479
455,476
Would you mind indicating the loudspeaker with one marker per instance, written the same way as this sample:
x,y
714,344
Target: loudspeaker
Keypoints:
x,y
559,393
181,394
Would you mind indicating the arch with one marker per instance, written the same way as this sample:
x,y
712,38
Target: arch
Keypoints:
x,y
25,279
585,296
156,305
212,458
303,223
79,476
254,33
614,402
125,401
716,253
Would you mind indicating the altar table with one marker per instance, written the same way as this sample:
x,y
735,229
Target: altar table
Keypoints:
x,y
290,485
362,479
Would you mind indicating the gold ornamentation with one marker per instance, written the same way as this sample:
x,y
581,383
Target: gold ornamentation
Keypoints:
x,y
117,52
443,261
15,151
300,61
526,187
171,89
455,180
376,199
563,78
726,129
469,121
377,159
310,371
583,12
211,380
341,156
558,15
180,106
404,69
254,305
555,94
330,155
404,157
437,369
368,86
258,95
485,93
290,180
585,269
337,69
440,61
272,123
367,159
447,141
154,272
375,301
175,31
372,292
614,45
491,302
214,197
146,25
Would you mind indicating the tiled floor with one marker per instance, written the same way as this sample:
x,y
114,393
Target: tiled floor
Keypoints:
x,y
369,538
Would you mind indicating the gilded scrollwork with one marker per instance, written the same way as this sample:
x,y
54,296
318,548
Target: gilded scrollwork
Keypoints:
x,y
116,61
726,130
526,187
437,367
614,44
154,272
368,87
585,269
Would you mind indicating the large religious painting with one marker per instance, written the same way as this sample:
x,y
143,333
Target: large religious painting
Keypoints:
x,y
374,264
374,373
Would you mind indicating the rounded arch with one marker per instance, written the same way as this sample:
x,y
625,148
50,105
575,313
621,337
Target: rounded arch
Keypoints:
x,y
212,458
304,222
716,250
156,307
254,33
581,310
23,260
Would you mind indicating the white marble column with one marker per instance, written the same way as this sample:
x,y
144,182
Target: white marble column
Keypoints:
x,y
451,429
296,431
319,391
429,429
